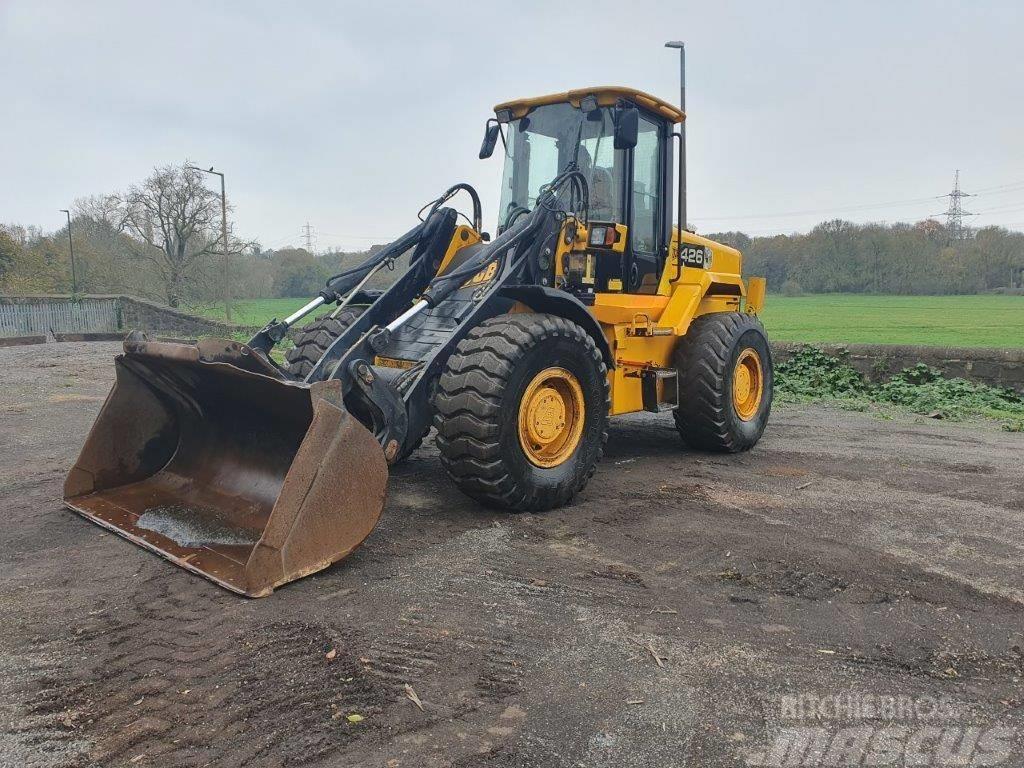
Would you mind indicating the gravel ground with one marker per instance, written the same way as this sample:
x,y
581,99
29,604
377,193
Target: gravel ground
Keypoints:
x,y
661,620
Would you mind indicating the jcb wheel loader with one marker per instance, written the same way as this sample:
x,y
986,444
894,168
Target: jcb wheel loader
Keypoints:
x,y
587,304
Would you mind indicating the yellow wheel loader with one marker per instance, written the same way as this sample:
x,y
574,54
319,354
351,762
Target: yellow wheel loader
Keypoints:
x,y
586,304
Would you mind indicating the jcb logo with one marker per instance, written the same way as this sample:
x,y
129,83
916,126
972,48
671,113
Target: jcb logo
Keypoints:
x,y
485,275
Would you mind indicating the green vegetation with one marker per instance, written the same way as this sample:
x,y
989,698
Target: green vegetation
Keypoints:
x,y
810,374
120,247
254,312
958,321
843,257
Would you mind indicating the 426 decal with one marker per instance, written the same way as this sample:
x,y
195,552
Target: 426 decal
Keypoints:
x,y
698,256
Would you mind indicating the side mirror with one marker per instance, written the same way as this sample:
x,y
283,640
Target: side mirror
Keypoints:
x,y
491,133
627,127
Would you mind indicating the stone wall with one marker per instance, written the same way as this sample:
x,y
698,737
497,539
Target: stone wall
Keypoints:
x,y
139,314
997,367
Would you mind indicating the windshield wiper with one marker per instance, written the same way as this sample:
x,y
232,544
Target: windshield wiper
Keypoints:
x,y
576,152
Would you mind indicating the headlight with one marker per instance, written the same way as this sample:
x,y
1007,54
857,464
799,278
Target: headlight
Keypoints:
x,y
603,235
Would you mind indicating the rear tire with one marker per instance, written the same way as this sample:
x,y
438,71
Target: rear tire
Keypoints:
x,y
522,412
725,382
314,338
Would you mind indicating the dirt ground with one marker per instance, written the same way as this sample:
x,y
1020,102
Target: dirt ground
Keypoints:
x,y
655,622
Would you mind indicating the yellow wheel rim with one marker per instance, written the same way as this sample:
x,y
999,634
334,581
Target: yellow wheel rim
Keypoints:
x,y
551,414
747,384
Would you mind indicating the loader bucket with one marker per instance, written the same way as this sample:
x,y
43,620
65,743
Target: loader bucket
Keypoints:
x,y
207,455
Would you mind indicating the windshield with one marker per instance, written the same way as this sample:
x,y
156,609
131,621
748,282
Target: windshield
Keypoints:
x,y
544,142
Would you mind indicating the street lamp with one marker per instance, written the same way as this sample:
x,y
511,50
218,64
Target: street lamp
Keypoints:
x,y
682,134
224,235
71,248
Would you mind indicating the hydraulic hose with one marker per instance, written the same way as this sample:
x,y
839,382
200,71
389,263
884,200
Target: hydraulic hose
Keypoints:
x,y
344,281
478,216
444,285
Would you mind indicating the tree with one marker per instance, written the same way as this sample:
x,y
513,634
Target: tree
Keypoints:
x,y
104,253
296,273
10,249
174,220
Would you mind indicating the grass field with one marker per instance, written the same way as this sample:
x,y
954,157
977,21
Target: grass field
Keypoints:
x,y
256,312
957,321
960,321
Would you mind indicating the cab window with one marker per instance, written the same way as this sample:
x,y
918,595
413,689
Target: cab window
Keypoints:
x,y
646,190
545,142
603,166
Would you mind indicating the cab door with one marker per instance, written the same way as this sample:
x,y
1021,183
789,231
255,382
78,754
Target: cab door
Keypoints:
x,y
645,204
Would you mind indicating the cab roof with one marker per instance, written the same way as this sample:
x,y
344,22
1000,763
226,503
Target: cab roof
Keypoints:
x,y
606,96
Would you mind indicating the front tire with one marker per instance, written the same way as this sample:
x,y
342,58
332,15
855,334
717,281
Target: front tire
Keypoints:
x,y
725,382
522,412
313,339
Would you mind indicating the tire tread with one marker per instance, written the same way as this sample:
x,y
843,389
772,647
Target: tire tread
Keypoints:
x,y
468,409
702,358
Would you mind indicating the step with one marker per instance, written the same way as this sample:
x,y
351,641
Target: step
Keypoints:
x,y
649,379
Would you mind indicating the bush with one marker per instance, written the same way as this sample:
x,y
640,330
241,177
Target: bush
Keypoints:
x,y
810,374
296,273
792,288
924,390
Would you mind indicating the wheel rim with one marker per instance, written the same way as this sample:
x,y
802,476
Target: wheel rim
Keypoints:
x,y
747,384
551,414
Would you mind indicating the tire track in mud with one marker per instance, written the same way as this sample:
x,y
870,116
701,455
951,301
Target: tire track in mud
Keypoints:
x,y
156,663
480,620
190,680
188,676
37,729
452,627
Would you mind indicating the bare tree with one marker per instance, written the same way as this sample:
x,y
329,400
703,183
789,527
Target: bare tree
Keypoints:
x,y
106,253
174,220
105,211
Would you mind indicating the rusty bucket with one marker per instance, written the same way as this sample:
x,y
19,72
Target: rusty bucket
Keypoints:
x,y
207,455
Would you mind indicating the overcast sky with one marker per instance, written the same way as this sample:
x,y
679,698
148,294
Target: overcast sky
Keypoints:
x,y
350,115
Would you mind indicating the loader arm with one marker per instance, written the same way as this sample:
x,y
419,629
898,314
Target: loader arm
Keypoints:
x,y
337,287
420,322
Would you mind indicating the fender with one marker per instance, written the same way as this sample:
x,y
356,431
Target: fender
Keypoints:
x,y
543,299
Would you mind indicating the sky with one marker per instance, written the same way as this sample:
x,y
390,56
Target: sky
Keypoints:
x,y
351,115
